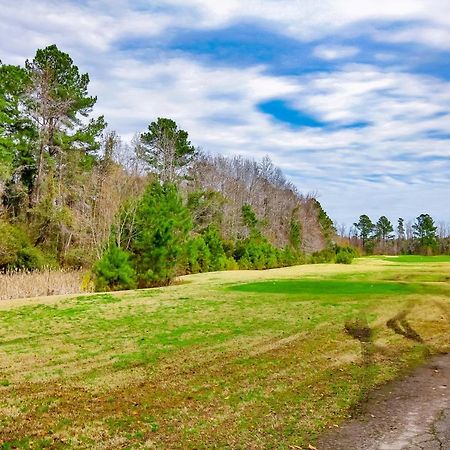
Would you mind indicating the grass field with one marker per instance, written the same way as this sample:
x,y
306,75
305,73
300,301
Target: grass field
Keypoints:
x,y
415,259
238,359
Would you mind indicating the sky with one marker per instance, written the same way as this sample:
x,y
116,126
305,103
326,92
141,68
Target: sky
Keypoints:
x,y
350,98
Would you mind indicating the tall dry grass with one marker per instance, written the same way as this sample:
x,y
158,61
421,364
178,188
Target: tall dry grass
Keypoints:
x,y
22,284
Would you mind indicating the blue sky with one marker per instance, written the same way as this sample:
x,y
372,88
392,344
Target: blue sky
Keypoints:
x,y
351,98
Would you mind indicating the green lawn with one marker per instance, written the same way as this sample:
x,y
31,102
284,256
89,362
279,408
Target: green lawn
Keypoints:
x,y
322,289
240,359
417,259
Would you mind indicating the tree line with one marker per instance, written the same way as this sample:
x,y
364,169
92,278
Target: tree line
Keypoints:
x,y
74,195
421,236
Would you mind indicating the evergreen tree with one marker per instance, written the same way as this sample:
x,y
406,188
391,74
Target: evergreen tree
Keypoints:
x,y
384,231
166,149
198,255
401,232
214,243
255,251
162,225
249,218
326,224
56,101
425,233
17,137
114,272
295,231
401,235
366,228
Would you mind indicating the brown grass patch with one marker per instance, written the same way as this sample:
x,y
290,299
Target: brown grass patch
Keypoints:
x,y
24,284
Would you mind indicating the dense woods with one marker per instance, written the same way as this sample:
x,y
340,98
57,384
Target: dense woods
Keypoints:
x,y
74,195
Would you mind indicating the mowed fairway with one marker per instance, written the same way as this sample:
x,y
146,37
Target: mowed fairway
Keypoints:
x,y
239,359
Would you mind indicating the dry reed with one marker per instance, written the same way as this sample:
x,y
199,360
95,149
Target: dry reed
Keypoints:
x,y
23,284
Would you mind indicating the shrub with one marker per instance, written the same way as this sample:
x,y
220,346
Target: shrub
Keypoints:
x,y
289,257
344,257
231,264
114,272
77,258
244,264
16,250
335,253
32,258
256,252
327,255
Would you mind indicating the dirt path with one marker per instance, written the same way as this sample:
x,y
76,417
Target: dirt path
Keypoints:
x,y
409,414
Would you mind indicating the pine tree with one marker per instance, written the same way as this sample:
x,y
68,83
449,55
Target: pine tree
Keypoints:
x,y
383,231
17,137
366,228
218,259
401,232
166,149
55,102
114,272
425,233
162,225
295,231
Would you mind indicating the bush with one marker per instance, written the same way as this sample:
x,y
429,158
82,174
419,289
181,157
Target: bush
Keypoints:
x,y
327,255
231,264
114,272
345,255
17,252
77,258
256,252
334,254
290,257
244,264
344,258
32,258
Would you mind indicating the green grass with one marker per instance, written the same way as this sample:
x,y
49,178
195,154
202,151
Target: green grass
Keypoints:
x,y
325,288
417,259
231,360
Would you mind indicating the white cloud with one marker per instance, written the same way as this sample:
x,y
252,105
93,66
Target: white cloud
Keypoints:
x,y
310,19
335,52
430,35
400,109
99,24
392,163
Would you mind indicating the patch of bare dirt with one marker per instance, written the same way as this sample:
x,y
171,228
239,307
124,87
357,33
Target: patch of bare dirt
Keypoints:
x,y
408,414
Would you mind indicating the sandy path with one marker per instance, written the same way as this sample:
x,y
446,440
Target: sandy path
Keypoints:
x,y
412,414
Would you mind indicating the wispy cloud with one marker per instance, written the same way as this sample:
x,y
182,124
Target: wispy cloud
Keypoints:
x,y
335,52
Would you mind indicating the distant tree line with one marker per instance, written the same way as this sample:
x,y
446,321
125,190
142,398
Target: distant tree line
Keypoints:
x,y
74,195
421,236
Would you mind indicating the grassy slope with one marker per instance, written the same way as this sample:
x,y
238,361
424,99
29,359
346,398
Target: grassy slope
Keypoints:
x,y
236,359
